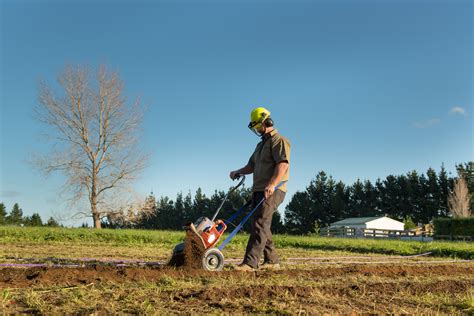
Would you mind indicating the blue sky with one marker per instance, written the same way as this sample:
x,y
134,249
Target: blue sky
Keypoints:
x,y
362,89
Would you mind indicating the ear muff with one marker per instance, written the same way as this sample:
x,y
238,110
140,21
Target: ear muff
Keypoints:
x,y
268,122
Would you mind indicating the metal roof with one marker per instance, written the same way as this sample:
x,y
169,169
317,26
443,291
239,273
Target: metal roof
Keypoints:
x,y
355,220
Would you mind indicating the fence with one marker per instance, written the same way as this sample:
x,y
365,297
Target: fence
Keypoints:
x,y
349,232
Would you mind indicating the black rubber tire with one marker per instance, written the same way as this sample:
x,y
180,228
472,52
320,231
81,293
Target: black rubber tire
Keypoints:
x,y
177,258
179,248
213,260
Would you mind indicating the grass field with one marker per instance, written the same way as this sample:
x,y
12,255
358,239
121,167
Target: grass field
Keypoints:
x,y
164,241
362,276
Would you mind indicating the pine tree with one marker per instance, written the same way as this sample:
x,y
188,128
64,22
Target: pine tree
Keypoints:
x,y
179,211
390,197
422,199
379,198
201,206
404,207
52,222
431,194
277,223
319,195
165,218
340,202
299,217
415,196
357,197
330,193
3,214
311,208
370,199
16,216
444,189
33,220
188,206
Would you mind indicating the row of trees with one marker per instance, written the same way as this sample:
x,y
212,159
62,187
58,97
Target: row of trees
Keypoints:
x,y
412,198
16,218
173,214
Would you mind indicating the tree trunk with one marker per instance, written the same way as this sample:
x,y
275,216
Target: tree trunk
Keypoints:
x,y
96,218
95,213
93,200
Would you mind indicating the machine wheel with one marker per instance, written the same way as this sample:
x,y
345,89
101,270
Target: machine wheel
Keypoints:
x,y
179,248
177,258
213,260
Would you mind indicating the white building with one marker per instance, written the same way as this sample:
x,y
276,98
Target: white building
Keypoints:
x,y
371,227
379,223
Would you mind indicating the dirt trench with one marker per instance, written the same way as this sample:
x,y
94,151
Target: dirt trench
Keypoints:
x,y
13,277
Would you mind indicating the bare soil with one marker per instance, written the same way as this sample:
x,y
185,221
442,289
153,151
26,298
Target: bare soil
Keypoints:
x,y
45,276
391,288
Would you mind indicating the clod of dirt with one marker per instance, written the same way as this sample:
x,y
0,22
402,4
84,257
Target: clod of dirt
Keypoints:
x,y
190,254
32,275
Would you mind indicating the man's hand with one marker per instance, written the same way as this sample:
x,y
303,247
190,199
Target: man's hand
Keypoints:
x,y
269,189
233,175
280,170
248,169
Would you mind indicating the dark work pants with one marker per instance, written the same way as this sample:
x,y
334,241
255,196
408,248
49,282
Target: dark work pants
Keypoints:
x,y
261,236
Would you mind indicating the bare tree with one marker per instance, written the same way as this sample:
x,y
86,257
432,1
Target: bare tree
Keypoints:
x,y
95,135
458,199
128,214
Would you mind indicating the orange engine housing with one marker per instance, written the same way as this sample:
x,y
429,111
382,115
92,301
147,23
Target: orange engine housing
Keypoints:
x,y
209,231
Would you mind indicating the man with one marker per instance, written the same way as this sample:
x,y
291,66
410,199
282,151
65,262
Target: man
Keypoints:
x,y
270,165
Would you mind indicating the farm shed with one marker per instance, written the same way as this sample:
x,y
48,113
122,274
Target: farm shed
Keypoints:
x,y
366,227
379,223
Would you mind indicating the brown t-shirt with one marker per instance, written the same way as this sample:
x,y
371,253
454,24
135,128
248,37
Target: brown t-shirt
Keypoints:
x,y
273,149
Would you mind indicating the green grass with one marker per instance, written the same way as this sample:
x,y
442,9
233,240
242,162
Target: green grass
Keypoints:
x,y
463,250
131,237
167,240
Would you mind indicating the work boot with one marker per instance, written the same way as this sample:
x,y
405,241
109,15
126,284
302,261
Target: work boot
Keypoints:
x,y
243,267
270,266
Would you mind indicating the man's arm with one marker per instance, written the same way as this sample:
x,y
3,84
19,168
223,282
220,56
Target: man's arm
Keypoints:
x,y
278,174
248,169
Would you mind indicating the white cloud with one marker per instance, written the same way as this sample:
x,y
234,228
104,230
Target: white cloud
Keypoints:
x,y
458,110
427,123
